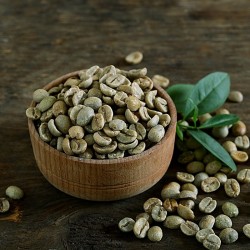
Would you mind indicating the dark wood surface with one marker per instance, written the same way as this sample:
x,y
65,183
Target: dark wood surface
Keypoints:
x,y
41,40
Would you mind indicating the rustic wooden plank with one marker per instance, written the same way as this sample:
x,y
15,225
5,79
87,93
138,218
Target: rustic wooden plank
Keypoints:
x,y
41,40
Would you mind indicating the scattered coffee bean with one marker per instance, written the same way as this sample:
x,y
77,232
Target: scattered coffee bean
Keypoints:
x,y
170,205
223,221
173,222
221,177
155,233
4,205
150,203
170,190
246,230
208,158
207,205
200,153
204,117
210,184
161,80
190,187
229,146
14,192
232,188
186,157
239,128
199,178
185,212
134,57
140,228
189,228
187,194
235,96
184,177
239,156
203,233
244,175
220,132
222,111
195,167
230,209
192,143
187,203
228,235
213,167
242,142
158,213
212,242
145,215
207,221
126,224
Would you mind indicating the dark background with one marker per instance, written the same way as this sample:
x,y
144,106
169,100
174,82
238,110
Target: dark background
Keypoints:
x,y
41,40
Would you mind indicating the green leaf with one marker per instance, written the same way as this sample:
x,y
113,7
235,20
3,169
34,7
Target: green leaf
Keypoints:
x,y
179,94
179,132
213,147
219,121
195,115
208,94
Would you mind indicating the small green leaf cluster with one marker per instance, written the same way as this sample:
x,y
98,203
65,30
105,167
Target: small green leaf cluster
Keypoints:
x,y
193,100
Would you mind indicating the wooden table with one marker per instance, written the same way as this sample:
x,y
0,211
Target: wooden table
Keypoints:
x,y
41,40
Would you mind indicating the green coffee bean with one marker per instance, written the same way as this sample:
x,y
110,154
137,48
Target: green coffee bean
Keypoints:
x,y
155,233
228,235
158,213
222,178
134,57
184,177
199,178
14,192
230,209
244,176
212,242
207,221
185,212
141,228
223,221
170,205
246,230
207,205
150,203
213,167
126,224
33,113
173,222
203,233
232,188
39,95
210,184
4,205
242,142
189,228
235,96
195,167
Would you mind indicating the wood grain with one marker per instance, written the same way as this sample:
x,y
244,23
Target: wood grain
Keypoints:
x,y
42,40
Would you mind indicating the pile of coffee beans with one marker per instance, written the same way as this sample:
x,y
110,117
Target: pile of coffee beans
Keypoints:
x,y
102,113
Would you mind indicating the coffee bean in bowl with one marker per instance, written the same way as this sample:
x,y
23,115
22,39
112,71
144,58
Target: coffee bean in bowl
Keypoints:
x,y
102,133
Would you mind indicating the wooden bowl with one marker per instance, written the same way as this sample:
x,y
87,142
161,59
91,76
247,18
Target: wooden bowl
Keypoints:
x,y
109,179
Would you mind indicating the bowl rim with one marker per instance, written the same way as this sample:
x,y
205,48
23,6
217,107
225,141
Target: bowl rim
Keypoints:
x,y
170,129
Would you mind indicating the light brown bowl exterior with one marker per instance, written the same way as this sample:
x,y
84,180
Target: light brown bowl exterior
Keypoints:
x,y
109,179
